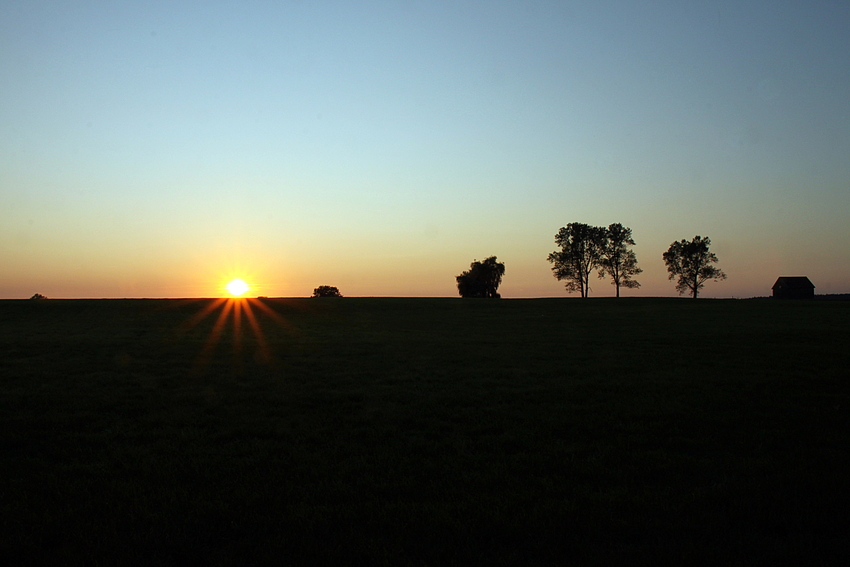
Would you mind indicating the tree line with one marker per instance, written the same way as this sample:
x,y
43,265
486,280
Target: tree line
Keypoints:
x,y
585,249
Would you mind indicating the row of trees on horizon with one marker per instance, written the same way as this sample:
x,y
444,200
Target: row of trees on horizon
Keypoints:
x,y
585,249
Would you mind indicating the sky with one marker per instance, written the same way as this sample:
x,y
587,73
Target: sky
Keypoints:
x,y
160,149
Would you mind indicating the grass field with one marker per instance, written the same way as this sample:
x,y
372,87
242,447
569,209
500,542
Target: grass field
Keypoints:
x,y
425,432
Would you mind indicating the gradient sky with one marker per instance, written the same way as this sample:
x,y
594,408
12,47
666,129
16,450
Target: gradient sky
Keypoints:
x,y
157,149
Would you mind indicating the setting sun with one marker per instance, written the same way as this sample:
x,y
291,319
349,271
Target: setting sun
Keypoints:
x,y
237,287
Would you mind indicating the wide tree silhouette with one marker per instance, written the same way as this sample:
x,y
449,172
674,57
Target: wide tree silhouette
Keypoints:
x,y
691,262
482,279
326,291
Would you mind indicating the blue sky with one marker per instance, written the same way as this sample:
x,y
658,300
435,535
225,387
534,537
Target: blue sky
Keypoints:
x,y
157,149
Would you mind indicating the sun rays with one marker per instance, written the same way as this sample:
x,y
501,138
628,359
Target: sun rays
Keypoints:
x,y
240,318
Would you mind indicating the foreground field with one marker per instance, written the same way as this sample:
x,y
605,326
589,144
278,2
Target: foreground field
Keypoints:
x,y
424,432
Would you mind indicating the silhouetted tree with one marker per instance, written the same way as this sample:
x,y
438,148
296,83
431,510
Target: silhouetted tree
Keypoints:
x,y
692,263
581,252
38,296
482,279
326,291
617,260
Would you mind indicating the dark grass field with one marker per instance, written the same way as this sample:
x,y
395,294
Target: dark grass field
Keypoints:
x,y
425,432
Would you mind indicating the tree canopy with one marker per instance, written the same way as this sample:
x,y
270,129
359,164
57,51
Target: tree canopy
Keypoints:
x,y
585,248
326,291
691,262
581,252
617,260
482,279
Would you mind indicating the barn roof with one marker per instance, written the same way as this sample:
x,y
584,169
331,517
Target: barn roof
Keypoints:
x,y
794,282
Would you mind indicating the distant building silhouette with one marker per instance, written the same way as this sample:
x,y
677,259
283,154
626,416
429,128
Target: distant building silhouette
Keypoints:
x,y
793,287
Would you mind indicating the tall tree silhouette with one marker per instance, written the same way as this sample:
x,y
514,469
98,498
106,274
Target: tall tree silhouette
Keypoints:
x,y
691,262
482,279
617,260
581,252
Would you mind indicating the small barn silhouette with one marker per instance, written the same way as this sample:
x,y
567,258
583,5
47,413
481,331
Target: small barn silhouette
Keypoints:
x,y
793,287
